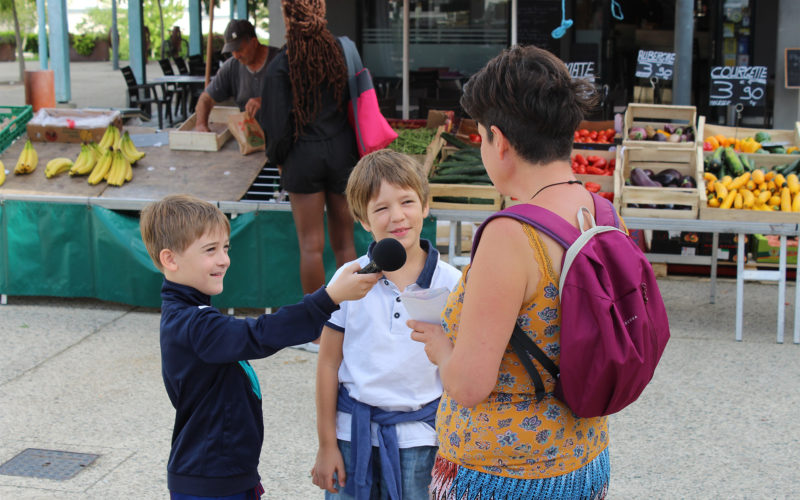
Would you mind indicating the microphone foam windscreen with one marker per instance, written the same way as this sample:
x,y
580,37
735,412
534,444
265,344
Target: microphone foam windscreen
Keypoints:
x,y
389,254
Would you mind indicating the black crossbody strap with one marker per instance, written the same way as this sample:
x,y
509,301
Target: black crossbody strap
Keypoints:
x,y
524,347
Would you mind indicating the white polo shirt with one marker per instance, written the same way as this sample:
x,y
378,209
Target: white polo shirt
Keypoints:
x,y
381,365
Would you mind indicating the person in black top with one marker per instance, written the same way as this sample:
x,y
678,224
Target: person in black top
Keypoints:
x,y
304,117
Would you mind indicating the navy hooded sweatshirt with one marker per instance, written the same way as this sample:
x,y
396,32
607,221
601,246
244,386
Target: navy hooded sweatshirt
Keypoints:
x,y
219,428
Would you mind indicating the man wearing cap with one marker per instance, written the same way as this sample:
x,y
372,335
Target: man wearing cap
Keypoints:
x,y
240,77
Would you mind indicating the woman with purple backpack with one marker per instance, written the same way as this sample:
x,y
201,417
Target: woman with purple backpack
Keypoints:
x,y
496,439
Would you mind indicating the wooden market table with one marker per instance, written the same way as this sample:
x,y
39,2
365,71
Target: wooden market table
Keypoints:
x,y
715,227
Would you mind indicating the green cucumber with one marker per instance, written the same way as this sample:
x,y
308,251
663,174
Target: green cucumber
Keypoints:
x,y
465,170
463,199
461,179
455,141
733,162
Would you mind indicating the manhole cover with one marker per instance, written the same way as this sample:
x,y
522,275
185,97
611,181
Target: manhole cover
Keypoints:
x,y
47,464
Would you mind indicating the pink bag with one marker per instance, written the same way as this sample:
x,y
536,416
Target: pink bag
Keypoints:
x,y
614,325
372,130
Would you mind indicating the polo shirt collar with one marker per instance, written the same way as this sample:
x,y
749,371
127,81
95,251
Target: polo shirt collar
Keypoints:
x,y
425,277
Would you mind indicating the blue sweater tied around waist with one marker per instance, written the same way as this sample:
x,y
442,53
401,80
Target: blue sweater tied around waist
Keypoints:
x,y
362,415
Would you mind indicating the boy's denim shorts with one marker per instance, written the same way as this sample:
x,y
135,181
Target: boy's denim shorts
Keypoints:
x,y
416,464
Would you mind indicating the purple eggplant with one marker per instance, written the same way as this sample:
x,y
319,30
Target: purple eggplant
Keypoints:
x,y
687,181
669,177
640,178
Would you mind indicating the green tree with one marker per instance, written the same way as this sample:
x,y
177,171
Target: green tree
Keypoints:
x,y
99,18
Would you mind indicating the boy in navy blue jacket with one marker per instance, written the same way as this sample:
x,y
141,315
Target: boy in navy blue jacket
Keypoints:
x,y
218,432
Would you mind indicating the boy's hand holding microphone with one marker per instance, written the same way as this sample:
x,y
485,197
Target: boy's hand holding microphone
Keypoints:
x,y
354,282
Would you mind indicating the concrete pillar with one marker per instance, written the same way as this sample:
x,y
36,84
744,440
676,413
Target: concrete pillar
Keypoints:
x,y
277,29
195,29
42,15
136,46
684,33
59,48
787,101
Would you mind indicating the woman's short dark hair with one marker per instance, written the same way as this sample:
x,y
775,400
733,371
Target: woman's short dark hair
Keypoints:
x,y
529,95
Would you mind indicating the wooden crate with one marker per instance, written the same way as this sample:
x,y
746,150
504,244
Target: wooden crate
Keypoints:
x,y
780,136
685,161
656,115
186,138
763,161
488,194
710,213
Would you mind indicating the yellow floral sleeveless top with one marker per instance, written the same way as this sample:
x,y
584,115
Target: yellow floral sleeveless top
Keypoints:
x,y
510,434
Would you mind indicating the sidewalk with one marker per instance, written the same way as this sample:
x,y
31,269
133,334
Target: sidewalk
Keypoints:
x,y
93,84
717,421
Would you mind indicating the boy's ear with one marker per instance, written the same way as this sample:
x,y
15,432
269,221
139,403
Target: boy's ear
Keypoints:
x,y
426,209
365,225
167,259
500,141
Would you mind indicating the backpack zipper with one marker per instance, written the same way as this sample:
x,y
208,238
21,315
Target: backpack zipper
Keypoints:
x,y
644,292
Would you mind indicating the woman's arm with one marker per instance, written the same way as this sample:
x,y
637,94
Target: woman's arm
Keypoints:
x,y
502,275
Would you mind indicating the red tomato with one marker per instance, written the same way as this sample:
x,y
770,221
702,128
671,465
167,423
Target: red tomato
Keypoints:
x,y
475,138
593,186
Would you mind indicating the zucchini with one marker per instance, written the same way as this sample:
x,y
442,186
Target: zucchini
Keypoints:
x,y
733,162
455,141
463,199
748,164
790,168
465,170
716,159
461,179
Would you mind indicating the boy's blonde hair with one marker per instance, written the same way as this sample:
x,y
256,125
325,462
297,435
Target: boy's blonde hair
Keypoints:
x,y
395,168
176,222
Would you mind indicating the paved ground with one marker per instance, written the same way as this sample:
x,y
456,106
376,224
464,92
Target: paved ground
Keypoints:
x,y
84,376
93,84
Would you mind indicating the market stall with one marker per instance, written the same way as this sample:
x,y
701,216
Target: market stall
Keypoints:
x,y
64,237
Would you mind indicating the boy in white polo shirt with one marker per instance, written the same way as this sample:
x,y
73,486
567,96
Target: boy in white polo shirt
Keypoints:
x,y
377,392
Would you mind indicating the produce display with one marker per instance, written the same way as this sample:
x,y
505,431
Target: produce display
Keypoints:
x,y
668,133
732,181
584,135
412,141
669,177
756,190
111,160
463,166
592,165
759,143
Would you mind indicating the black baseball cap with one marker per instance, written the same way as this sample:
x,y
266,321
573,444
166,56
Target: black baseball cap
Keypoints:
x,y
238,30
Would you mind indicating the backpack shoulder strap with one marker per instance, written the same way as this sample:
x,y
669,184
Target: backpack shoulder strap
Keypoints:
x,y
550,223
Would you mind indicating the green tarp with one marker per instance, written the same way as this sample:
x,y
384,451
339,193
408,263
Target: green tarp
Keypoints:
x,y
66,250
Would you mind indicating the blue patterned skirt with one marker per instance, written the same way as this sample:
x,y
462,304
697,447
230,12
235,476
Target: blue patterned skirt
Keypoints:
x,y
453,482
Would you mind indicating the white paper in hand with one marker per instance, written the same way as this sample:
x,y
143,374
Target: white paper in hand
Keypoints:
x,y
425,305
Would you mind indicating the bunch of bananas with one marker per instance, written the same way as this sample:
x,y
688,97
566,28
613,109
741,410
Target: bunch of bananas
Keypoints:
x,y
28,159
129,151
86,160
2,173
57,166
110,137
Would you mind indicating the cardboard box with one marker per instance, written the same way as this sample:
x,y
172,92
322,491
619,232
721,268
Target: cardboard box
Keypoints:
x,y
71,125
727,246
766,249
675,242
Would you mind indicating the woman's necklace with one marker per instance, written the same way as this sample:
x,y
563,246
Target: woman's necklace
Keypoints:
x,y
555,184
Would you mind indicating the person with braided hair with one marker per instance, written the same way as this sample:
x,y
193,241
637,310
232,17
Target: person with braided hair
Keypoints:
x,y
304,117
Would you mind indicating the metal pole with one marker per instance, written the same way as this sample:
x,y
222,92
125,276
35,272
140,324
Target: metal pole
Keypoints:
x,y
405,60
59,36
684,33
114,36
514,4
210,39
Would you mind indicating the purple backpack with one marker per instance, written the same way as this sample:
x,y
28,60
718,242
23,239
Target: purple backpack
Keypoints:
x,y
614,324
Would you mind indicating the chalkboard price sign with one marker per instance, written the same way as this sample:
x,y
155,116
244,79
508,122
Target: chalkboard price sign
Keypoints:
x,y
652,63
583,70
792,62
731,85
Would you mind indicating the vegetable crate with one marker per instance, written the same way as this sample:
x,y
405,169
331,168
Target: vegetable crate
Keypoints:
x,y
465,197
778,137
727,214
12,123
583,136
658,202
659,116
186,138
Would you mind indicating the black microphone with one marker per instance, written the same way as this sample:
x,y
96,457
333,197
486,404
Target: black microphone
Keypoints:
x,y
387,255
